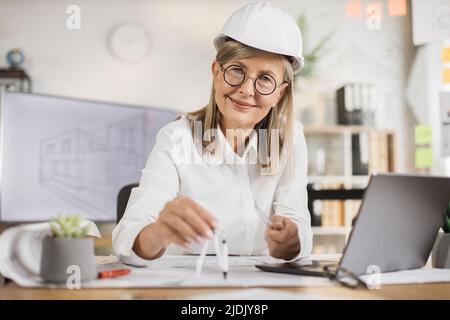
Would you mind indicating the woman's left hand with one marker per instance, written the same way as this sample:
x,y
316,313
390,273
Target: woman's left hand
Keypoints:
x,y
282,238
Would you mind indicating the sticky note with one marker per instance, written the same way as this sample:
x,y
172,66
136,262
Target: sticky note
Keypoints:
x,y
353,8
423,134
424,158
397,8
445,55
446,75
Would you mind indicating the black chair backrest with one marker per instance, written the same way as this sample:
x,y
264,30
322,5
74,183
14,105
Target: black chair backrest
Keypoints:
x,y
122,199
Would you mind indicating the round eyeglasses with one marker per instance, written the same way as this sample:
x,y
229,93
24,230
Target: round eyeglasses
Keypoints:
x,y
235,75
344,277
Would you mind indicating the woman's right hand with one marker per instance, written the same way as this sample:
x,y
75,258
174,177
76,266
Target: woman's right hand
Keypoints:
x,y
182,221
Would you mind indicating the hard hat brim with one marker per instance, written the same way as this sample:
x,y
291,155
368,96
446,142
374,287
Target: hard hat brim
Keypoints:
x,y
297,61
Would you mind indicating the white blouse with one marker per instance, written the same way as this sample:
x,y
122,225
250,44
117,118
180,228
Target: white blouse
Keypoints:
x,y
233,191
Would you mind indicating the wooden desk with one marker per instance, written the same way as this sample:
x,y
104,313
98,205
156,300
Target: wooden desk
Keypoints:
x,y
416,291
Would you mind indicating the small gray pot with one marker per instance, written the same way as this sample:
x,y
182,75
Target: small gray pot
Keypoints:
x,y
440,256
64,257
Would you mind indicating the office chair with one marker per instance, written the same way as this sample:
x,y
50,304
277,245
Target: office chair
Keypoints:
x,y
330,194
122,199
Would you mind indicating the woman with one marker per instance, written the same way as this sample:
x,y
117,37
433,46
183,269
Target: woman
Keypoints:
x,y
236,167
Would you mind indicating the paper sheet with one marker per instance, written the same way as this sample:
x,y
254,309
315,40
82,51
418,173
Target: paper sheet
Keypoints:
x,y
173,271
423,275
179,271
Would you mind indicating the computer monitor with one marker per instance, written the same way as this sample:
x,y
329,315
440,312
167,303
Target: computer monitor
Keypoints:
x,y
70,156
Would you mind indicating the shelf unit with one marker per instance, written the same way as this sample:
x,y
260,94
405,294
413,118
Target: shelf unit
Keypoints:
x,y
332,162
331,230
15,79
331,151
352,180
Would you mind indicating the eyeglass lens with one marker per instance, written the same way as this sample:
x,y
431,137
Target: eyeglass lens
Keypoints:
x,y
345,277
235,75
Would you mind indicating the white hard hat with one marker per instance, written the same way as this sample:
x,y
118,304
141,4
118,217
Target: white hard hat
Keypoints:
x,y
263,26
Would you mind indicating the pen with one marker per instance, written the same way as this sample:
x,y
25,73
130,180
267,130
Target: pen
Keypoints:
x,y
113,273
263,216
267,221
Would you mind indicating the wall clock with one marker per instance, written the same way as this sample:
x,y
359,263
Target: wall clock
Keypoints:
x,y
129,42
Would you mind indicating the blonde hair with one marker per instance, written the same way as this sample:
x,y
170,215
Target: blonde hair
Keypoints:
x,y
279,117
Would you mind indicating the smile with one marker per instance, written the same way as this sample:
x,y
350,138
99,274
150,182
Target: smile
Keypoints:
x,y
240,104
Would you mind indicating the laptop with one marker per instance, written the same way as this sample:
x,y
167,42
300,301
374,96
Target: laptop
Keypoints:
x,y
395,229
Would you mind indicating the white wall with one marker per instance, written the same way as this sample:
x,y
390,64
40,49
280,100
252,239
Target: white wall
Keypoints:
x,y
176,74
76,63
359,54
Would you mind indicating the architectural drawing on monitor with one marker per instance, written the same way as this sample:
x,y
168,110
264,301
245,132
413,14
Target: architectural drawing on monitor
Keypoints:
x,y
88,167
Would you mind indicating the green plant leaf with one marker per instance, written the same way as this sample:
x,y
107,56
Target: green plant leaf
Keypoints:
x,y
446,224
312,55
69,226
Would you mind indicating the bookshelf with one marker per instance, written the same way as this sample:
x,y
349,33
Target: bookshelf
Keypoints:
x,y
343,157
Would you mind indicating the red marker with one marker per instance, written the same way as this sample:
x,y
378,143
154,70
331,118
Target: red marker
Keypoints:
x,y
113,273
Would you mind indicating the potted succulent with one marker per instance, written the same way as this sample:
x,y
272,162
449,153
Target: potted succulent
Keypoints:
x,y
441,250
68,247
